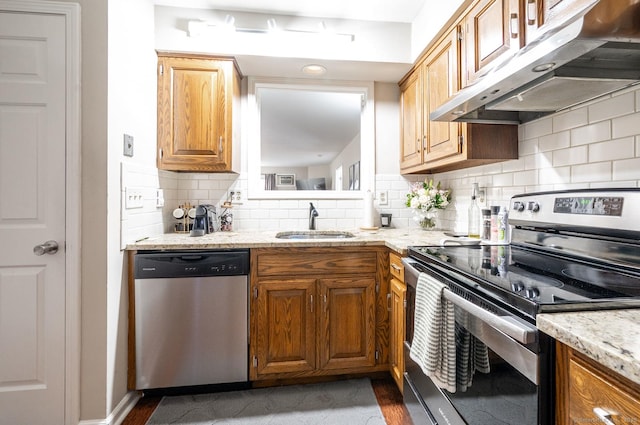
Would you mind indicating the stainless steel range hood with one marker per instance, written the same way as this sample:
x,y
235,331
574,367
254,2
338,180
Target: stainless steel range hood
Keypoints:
x,y
593,51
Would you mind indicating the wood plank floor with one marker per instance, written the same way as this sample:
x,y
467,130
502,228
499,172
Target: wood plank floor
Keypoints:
x,y
387,394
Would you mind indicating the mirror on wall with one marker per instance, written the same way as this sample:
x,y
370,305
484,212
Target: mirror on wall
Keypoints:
x,y
310,139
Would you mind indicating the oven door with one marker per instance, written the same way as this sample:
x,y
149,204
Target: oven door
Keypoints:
x,y
518,387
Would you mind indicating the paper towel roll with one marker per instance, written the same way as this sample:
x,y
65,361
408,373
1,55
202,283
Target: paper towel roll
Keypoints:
x,y
368,209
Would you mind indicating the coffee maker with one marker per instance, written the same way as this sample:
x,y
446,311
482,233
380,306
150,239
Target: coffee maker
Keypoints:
x,y
205,220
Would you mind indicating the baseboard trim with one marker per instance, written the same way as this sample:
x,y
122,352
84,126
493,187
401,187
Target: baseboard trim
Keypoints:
x,y
119,413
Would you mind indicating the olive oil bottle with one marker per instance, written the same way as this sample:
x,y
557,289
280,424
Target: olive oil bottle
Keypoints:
x,y
474,214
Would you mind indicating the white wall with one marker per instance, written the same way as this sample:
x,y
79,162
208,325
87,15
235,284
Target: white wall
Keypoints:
x,y
428,22
131,110
117,96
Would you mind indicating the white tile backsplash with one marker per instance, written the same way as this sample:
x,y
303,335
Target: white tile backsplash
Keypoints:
x,y
612,150
570,119
625,125
596,172
571,156
596,145
628,169
611,107
554,141
596,132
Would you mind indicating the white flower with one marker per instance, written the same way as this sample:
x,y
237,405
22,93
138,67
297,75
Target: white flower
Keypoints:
x,y
425,196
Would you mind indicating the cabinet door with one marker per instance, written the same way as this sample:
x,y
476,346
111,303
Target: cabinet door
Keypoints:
x,y
442,82
194,114
398,296
491,29
285,326
346,338
411,113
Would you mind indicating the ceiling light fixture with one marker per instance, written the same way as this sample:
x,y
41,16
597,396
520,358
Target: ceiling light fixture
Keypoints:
x,y
272,25
200,28
229,21
314,69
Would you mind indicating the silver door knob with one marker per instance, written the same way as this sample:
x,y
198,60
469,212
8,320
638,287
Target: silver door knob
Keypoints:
x,y
49,247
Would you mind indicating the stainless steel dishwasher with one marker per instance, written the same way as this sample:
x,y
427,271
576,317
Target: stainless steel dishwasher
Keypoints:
x,y
191,318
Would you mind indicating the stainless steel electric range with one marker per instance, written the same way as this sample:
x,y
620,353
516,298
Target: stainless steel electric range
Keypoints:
x,y
577,250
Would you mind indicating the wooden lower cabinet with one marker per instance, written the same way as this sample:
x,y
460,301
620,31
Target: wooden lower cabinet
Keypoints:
x,y
285,326
317,311
587,392
346,316
397,325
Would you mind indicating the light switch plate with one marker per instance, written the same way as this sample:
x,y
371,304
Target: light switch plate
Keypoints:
x,y
133,198
128,145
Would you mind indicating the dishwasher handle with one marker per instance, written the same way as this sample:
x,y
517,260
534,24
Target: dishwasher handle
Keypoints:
x,y
191,257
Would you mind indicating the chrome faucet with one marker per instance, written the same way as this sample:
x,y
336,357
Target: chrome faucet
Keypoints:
x,y
313,213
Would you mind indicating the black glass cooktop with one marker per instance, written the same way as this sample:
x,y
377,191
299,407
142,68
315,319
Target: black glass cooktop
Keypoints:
x,y
539,281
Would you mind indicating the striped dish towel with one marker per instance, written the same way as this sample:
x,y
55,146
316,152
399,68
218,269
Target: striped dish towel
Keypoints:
x,y
434,345
473,354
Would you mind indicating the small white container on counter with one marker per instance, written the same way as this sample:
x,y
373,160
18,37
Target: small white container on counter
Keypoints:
x,y
503,226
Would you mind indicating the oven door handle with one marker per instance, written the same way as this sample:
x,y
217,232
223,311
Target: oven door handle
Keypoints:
x,y
510,326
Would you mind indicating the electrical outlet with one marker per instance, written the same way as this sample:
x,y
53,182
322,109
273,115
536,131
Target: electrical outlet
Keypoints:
x,y
235,197
482,196
159,198
382,197
133,198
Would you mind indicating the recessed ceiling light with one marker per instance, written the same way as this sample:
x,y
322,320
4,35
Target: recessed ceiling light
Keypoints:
x,y
314,69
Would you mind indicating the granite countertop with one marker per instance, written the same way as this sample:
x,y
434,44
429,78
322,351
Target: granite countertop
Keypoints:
x,y
610,337
396,239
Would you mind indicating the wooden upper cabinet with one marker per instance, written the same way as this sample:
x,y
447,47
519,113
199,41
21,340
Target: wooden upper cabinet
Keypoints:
x,y
411,122
490,30
432,146
197,100
442,82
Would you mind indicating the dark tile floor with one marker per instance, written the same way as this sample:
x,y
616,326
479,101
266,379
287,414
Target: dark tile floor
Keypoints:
x,y
388,395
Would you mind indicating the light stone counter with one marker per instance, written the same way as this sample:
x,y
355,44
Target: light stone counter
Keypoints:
x,y
396,239
610,337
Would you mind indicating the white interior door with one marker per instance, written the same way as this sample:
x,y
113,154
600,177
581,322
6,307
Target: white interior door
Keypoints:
x,y
32,211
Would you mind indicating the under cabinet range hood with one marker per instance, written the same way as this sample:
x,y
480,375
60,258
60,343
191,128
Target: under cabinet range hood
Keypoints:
x,y
590,49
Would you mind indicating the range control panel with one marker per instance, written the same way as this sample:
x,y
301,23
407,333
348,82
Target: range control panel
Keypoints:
x,y
592,205
606,209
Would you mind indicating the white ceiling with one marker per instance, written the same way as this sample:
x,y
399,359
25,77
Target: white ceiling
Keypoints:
x,y
366,10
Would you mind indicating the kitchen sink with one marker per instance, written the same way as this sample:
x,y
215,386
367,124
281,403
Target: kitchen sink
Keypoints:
x,y
314,234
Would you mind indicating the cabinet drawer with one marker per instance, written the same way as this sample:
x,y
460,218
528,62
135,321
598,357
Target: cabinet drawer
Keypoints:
x,y
307,262
396,267
591,389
